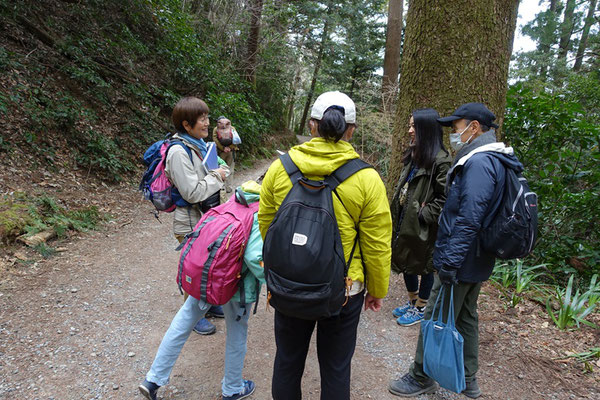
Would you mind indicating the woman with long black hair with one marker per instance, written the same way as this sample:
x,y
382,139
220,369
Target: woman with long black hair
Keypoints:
x,y
416,206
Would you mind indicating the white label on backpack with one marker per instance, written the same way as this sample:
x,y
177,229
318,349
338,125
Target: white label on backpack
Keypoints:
x,y
299,239
188,279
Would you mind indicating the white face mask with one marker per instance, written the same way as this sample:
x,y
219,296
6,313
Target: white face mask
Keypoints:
x,y
455,141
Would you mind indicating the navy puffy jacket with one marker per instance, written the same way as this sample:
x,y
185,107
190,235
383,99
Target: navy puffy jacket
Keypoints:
x,y
474,195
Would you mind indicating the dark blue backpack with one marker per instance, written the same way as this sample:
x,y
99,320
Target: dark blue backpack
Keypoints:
x,y
512,231
152,158
305,267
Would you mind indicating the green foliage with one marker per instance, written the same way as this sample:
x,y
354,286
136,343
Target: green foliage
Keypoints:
x,y
20,214
103,155
573,306
515,279
587,357
556,138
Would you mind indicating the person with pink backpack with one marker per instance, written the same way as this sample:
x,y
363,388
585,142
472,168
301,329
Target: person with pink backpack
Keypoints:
x,y
208,273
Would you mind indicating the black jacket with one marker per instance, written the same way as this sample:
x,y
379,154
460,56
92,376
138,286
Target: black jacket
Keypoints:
x,y
474,194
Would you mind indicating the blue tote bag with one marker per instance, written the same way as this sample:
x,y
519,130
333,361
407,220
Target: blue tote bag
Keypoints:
x,y
443,347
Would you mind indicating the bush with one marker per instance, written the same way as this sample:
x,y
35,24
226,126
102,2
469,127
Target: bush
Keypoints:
x,y
23,214
557,141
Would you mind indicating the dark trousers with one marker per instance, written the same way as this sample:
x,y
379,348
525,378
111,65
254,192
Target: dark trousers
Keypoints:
x,y
336,340
467,323
412,284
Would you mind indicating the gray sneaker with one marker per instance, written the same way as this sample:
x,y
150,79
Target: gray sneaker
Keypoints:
x,y
472,389
407,386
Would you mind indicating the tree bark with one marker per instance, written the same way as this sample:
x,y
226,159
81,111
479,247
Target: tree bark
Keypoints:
x,y
589,21
444,66
391,59
255,7
566,30
313,83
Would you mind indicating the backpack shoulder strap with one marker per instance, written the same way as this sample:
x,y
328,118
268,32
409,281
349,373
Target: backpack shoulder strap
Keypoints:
x,y
173,142
291,168
346,171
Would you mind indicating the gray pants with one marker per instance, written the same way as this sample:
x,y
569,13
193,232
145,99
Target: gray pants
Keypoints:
x,y
467,323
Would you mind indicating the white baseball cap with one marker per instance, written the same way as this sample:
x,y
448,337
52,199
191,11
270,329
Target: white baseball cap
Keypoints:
x,y
336,98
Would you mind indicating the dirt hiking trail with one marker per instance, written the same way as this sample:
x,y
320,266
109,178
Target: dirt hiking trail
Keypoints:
x,y
86,324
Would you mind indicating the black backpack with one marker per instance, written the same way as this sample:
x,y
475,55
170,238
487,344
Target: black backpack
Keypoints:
x,y
512,232
303,256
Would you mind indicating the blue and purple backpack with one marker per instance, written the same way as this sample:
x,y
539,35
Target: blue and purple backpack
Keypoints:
x,y
155,185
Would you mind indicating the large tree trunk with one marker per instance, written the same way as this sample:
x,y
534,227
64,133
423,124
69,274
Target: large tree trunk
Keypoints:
x,y
454,52
255,7
391,59
589,21
313,83
566,29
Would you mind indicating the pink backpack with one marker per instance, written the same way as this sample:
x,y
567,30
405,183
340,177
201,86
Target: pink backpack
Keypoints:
x,y
210,264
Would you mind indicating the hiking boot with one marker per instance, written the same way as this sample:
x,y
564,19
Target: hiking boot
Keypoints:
x,y
246,391
149,389
411,317
400,311
215,311
407,386
204,327
472,389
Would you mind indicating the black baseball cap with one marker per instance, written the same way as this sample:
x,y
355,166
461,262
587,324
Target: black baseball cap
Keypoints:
x,y
472,112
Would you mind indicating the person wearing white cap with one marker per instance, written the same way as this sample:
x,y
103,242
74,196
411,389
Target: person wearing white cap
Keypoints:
x,y
365,216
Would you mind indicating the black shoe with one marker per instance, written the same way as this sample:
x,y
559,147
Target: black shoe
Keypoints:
x,y
149,389
472,389
215,311
407,386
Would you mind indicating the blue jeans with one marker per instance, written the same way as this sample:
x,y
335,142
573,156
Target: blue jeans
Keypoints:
x,y
181,327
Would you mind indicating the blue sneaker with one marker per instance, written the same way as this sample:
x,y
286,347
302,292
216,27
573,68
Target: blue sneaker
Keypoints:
x,y
215,311
400,311
411,317
149,389
246,391
204,327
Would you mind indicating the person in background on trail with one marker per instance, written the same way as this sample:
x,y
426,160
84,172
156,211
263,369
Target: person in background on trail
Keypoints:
x,y
223,137
331,125
475,183
189,176
416,206
234,387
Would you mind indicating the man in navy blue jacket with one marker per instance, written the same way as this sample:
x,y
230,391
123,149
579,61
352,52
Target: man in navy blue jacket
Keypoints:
x,y
474,186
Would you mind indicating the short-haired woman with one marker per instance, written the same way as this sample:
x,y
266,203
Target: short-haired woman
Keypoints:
x,y
416,206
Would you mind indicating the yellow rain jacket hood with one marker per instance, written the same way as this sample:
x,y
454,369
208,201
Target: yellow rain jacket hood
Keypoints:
x,y
363,195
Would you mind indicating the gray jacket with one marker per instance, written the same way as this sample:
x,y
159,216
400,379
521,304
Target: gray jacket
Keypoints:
x,y
194,183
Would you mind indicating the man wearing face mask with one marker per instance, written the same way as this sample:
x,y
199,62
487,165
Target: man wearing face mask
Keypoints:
x,y
474,187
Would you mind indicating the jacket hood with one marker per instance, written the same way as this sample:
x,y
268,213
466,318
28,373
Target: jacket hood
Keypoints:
x,y
251,191
505,154
320,157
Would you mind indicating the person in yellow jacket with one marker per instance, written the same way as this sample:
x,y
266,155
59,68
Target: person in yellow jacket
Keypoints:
x,y
332,124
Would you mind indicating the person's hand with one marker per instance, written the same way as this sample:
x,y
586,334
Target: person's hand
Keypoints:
x,y
448,276
221,173
226,149
373,303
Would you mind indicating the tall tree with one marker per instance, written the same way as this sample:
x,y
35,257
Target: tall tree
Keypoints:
x,y
454,52
391,59
255,8
317,67
566,29
589,21
548,37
